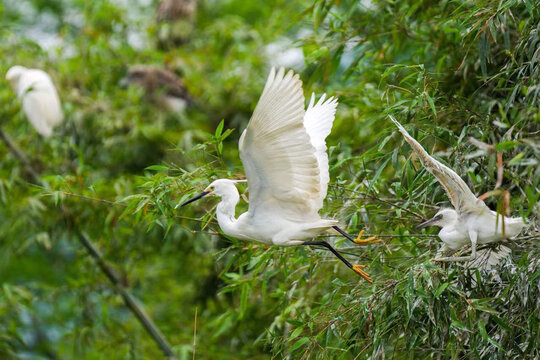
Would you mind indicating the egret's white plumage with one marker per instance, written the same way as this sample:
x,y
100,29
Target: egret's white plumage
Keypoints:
x,y
279,153
471,222
283,150
39,97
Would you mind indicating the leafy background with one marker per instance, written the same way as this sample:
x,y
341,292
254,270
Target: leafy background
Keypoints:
x,y
119,166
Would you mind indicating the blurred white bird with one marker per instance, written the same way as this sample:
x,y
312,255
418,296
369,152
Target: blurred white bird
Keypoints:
x,y
284,52
284,155
39,98
471,221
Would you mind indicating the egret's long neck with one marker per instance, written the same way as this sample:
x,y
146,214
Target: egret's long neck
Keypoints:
x,y
225,209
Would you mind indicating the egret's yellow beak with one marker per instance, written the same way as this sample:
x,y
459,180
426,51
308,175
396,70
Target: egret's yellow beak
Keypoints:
x,y
429,222
196,197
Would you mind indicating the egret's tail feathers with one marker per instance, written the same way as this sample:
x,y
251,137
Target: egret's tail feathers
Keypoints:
x,y
488,258
326,224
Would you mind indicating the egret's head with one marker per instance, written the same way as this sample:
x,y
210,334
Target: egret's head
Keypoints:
x,y
442,218
221,187
14,74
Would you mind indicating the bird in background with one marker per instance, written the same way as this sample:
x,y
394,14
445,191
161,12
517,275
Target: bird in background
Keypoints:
x,y
160,85
175,20
283,151
39,97
470,222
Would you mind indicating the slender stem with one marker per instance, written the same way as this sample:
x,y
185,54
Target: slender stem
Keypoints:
x,y
20,155
195,334
85,240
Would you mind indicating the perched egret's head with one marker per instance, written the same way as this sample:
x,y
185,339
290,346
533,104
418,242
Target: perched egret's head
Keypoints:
x,y
136,75
14,73
219,187
442,218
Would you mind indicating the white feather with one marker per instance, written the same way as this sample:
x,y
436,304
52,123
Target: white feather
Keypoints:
x,y
318,123
276,150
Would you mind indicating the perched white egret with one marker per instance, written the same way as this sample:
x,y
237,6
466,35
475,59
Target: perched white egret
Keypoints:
x,y
40,100
160,85
471,221
283,150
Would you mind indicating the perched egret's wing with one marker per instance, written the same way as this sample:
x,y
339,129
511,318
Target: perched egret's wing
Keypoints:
x,y
459,193
318,123
278,157
490,257
38,107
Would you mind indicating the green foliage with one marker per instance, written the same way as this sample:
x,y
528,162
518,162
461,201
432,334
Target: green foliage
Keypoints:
x,y
120,167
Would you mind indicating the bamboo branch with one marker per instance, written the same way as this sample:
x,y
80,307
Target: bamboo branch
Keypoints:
x,y
20,155
86,242
129,300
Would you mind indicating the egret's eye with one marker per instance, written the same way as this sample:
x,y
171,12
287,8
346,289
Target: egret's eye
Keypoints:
x,y
210,188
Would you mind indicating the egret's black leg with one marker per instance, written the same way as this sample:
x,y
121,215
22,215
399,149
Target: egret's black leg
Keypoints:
x,y
343,232
329,247
358,240
356,268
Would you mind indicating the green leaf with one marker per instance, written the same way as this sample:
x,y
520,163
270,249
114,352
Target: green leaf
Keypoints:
x,y
296,332
374,179
244,298
299,343
219,128
431,104
157,168
515,160
487,338
459,325
505,145
440,290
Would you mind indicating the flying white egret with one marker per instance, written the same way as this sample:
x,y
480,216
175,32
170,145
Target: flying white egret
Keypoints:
x,y
283,150
160,85
471,221
39,98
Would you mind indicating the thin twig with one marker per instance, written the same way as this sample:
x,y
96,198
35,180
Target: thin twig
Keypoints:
x,y
68,193
129,300
195,334
19,154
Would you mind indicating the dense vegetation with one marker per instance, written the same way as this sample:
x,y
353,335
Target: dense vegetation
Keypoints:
x,y
119,166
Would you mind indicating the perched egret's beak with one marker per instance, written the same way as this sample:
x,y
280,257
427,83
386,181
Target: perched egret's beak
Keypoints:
x,y
429,222
196,197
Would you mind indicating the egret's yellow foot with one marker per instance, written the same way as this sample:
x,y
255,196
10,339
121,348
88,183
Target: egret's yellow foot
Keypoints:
x,y
368,241
358,269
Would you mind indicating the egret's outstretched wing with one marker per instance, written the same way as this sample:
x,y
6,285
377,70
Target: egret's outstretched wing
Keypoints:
x,y
318,123
459,193
278,157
